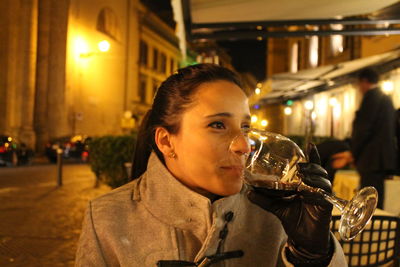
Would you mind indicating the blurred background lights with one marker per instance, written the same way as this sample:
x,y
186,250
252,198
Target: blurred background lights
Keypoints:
x,y
333,101
387,87
256,106
309,105
337,111
254,118
104,46
289,102
288,110
258,91
313,115
81,47
264,123
259,85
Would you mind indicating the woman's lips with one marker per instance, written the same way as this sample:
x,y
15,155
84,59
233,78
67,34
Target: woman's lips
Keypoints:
x,y
238,170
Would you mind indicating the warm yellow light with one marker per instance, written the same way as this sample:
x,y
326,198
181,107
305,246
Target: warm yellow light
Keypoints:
x,y
104,46
254,118
6,144
259,85
387,87
257,91
264,123
309,105
333,101
288,110
9,139
337,111
313,115
81,47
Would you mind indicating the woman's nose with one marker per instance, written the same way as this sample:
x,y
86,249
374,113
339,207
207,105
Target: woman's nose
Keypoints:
x,y
240,144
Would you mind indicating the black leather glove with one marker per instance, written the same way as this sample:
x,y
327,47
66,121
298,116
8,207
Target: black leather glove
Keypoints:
x,y
306,216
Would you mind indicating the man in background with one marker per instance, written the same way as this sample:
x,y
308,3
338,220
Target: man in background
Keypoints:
x,y
334,154
373,143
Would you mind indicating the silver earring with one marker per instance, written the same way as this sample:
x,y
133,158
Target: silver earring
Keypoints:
x,y
172,155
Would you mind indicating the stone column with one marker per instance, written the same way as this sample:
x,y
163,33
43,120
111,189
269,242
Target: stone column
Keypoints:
x,y
50,104
28,38
17,68
41,106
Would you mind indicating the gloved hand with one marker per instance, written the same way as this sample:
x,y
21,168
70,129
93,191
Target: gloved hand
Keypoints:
x,y
306,216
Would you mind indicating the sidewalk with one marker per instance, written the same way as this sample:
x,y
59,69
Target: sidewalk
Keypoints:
x,y
40,223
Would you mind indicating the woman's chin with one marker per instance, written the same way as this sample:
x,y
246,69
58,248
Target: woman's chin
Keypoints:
x,y
230,189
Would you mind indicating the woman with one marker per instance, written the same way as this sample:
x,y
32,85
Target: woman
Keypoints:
x,y
188,206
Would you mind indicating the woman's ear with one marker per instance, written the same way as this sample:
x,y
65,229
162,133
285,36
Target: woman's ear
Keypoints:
x,y
163,141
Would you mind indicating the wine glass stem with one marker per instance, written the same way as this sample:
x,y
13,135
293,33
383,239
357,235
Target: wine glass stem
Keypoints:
x,y
337,202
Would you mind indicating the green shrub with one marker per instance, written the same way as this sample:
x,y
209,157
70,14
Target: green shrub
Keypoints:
x,y
107,157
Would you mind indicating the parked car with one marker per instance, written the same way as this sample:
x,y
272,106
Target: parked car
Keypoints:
x,y
13,153
75,147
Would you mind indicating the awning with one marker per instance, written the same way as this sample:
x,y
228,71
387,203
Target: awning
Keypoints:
x,y
252,19
221,11
297,85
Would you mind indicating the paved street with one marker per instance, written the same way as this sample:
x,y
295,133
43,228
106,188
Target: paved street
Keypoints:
x,y
40,223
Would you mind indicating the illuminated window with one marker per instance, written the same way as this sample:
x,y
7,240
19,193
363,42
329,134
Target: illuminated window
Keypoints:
x,y
313,51
144,50
142,87
337,41
163,63
107,23
172,65
155,59
294,58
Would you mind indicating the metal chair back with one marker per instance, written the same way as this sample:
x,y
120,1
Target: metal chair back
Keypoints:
x,y
378,244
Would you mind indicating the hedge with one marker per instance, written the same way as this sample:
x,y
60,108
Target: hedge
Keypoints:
x,y
107,157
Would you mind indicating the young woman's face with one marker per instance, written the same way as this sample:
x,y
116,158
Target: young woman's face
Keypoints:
x,y
210,146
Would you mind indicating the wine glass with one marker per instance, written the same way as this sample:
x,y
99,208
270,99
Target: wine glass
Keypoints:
x,y
272,164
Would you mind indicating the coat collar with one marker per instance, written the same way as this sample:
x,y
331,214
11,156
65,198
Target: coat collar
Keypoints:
x,y
175,204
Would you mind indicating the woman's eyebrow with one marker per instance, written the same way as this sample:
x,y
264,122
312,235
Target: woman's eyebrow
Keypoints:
x,y
228,115
222,114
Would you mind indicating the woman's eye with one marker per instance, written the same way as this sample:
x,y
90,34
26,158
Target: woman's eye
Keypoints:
x,y
246,128
217,125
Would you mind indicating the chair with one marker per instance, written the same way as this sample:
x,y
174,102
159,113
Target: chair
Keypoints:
x,y
378,244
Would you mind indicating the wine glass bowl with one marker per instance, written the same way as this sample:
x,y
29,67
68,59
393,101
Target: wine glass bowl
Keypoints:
x,y
273,164
272,161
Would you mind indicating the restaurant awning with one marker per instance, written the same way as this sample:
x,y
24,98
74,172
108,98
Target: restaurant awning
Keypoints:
x,y
252,19
285,86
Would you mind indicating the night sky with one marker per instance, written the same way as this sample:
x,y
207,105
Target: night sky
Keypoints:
x,y
247,56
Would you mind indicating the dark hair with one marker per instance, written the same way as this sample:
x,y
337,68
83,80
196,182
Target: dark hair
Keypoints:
x,y
172,98
368,74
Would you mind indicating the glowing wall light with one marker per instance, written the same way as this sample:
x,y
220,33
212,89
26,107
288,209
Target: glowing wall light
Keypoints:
x,y
337,111
81,46
313,115
387,87
264,123
309,105
333,101
254,118
288,111
104,46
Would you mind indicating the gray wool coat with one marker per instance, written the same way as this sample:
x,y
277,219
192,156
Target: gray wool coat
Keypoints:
x,y
157,218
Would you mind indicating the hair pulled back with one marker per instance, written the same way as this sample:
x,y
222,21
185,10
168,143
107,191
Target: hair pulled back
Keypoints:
x,y
172,98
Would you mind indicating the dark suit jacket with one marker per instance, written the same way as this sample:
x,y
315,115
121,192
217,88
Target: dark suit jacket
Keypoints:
x,y
373,141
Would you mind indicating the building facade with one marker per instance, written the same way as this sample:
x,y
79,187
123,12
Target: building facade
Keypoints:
x,y
86,67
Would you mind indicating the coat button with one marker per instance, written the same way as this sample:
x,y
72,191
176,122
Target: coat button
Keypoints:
x,y
228,216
